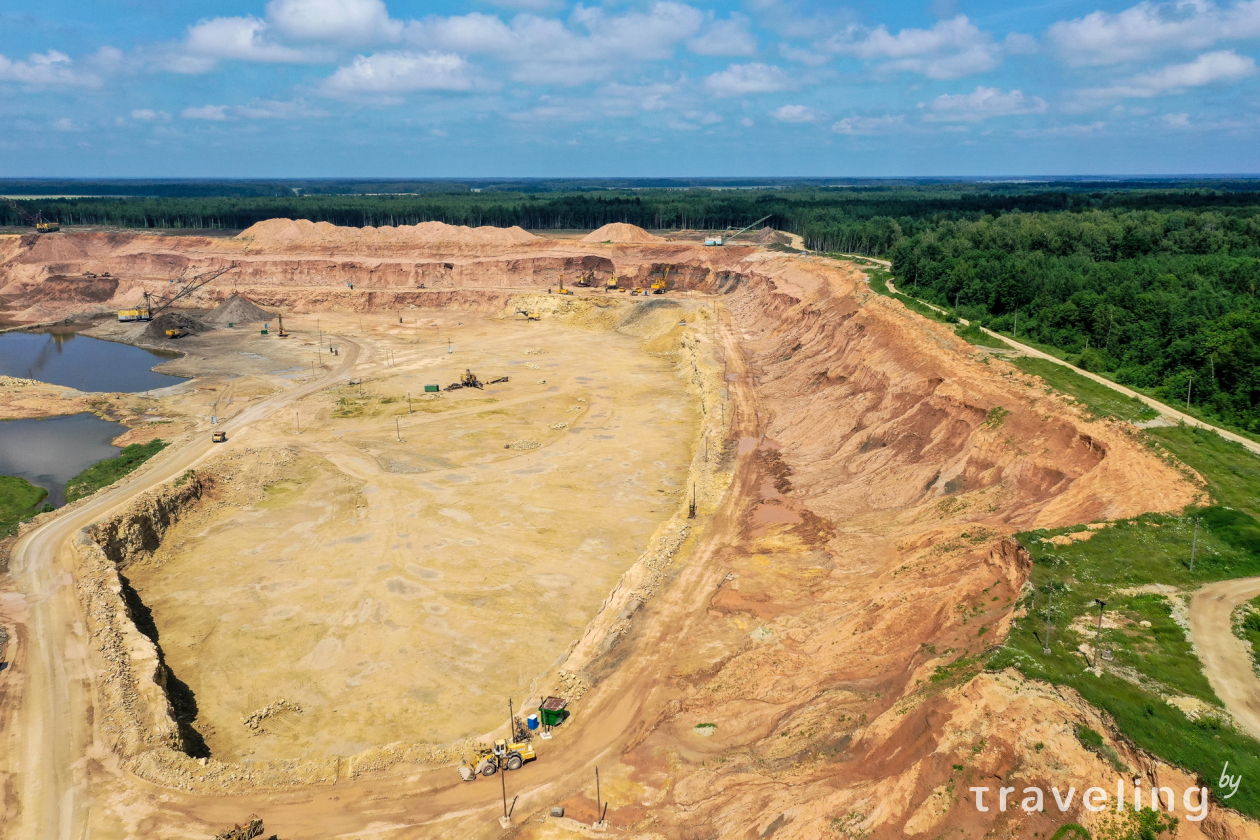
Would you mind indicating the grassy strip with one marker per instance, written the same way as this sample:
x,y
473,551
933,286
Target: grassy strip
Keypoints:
x,y
105,473
1148,662
19,501
878,276
1248,628
972,334
1098,398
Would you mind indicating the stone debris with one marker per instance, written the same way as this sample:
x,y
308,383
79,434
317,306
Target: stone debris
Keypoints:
x,y
533,366
523,445
558,426
541,381
254,720
534,351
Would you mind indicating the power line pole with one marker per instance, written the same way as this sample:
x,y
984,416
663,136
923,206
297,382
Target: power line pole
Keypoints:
x,y
1194,543
1049,607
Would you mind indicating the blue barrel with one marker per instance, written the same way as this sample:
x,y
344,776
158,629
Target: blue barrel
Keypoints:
x,y
532,722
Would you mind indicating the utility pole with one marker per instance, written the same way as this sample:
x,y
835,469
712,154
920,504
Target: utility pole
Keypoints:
x,y
1098,634
398,429
1194,543
297,418
1188,385
1049,607
408,402
1015,332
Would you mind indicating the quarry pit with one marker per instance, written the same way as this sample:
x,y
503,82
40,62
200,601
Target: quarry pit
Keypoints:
x,y
738,526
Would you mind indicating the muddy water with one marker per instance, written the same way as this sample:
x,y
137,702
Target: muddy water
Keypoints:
x,y
50,451
78,361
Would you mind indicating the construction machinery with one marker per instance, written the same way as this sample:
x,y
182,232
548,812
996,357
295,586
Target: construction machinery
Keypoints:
x,y
530,316
660,284
467,380
562,290
281,333
505,755
611,285
176,333
253,828
154,304
719,240
218,437
36,219
586,280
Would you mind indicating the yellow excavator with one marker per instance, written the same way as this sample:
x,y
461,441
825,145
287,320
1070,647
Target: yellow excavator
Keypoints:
x,y
562,290
37,220
611,285
660,284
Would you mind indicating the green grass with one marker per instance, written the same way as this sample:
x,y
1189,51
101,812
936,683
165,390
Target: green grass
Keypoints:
x,y
1232,472
19,501
1249,628
1098,398
105,473
1149,549
878,276
972,334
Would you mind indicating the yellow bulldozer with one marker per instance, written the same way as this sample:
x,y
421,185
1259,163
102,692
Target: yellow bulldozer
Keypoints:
x,y
503,755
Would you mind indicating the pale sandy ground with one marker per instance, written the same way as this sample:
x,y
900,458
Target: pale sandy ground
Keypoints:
x,y
405,590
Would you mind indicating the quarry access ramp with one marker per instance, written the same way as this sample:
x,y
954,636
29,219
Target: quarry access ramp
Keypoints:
x,y
54,716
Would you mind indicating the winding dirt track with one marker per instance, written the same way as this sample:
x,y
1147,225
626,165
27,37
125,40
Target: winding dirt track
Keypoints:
x,y
1225,658
54,727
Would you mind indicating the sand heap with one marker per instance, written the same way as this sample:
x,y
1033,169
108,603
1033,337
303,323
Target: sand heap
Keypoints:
x,y
620,232
175,321
238,310
305,235
768,236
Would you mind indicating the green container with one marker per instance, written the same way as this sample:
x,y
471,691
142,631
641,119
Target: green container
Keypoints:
x,y
429,389
552,711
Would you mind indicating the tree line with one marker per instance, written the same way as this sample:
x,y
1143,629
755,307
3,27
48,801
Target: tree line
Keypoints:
x,y
1164,300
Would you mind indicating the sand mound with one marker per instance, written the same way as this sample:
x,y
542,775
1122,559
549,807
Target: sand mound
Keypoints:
x,y
288,234
620,232
238,310
768,236
175,321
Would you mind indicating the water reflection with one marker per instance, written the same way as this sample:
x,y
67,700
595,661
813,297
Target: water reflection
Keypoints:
x,y
63,357
50,451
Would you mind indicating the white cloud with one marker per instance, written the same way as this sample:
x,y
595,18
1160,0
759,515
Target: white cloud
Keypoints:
x,y
724,37
1177,120
1149,29
148,115
239,38
272,109
949,50
205,112
45,70
747,122
982,103
400,72
803,56
65,124
870,126
796,114
339,21
742,79
1073,130
1210,68
546,51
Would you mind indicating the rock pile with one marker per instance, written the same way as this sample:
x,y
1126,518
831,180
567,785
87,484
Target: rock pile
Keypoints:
x,y
238,310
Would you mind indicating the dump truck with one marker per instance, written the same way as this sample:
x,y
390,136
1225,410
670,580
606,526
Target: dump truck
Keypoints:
x,y
218,437
503,755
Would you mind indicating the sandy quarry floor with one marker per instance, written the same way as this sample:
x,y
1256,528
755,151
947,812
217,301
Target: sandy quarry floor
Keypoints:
x,y
404,590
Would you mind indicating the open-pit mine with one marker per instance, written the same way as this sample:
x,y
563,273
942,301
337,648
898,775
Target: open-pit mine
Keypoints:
x,y
748,521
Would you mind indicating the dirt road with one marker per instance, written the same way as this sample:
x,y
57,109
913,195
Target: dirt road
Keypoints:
x,y
53,724
1226,660
1165,410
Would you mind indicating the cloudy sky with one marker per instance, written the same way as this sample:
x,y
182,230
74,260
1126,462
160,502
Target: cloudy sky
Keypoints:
x,y
465,88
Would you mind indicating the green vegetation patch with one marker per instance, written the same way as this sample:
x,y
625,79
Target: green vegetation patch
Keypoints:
x,y
1150,656
1247,628
972,334
19,501
879,276
105,473
1101,400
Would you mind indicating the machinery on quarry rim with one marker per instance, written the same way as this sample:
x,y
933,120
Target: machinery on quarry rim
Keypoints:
x,y
503,755
469,380
36,219
720,240
148,310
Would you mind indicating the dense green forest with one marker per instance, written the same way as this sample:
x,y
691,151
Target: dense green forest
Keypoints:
x,y
1152,282
1161,300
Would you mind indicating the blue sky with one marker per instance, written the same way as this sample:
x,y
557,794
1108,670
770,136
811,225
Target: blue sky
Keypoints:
x,y
368,88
